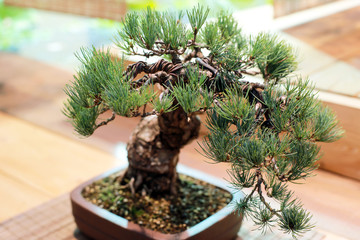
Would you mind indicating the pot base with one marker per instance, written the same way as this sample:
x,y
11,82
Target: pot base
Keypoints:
x,y
99,223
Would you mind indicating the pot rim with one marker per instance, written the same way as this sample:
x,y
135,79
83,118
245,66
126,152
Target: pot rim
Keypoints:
x,y
122,222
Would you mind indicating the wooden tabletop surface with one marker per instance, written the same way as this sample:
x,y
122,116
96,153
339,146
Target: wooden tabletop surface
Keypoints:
x,y
37,165
337,35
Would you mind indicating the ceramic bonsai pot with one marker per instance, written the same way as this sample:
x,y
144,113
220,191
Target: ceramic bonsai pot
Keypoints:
x,y
99,223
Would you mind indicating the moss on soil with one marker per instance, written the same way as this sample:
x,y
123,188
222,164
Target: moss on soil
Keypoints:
x,y
196,201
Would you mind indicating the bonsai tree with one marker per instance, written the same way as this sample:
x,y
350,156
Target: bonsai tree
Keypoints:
x,y
267,130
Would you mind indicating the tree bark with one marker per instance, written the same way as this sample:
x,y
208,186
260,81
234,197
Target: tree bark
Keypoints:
x,y
154,147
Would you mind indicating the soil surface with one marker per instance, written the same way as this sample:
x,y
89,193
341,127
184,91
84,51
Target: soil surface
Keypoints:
x,y
196,200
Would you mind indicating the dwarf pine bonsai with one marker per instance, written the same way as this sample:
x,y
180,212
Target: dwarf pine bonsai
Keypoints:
x,y
266,130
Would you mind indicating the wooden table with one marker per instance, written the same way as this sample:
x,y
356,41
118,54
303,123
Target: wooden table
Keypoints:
x,y
53,220
38,165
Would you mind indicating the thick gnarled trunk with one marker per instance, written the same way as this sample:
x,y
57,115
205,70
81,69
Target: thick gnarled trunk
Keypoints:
x,y
154,147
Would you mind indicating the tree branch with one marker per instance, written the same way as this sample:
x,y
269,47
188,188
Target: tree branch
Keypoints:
x,y
253,84
195,53
267,205
282,178
106,121
207,66
248,72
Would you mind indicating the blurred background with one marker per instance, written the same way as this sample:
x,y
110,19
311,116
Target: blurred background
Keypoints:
x,y
38,39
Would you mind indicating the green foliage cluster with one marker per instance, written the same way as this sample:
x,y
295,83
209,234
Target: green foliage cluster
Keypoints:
x,y
268,131
267,158
188,94
274,57
101,85
154,31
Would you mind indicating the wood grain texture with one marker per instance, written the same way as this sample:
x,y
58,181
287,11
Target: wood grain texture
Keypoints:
x,y
18,196
343,156
51,220
337,35
285,7
38,165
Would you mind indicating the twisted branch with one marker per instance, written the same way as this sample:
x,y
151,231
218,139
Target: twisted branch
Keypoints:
x,y
106,121
161,65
